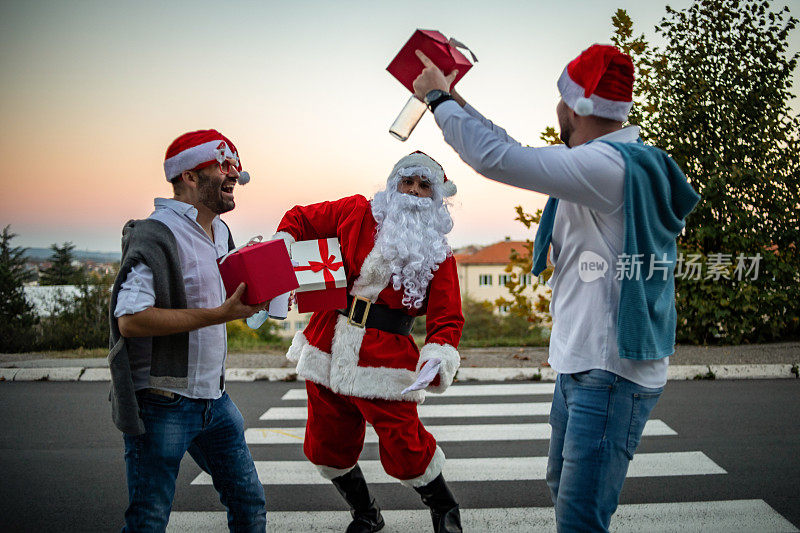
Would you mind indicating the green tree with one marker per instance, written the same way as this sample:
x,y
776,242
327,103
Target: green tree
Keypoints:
x,y
482,327
716,97
17,318
61,270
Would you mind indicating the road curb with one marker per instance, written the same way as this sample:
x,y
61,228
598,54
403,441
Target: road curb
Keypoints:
x,y
675,373
64,373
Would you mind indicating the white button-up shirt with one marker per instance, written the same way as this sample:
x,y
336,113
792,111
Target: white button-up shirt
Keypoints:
x,y
589,226
204,289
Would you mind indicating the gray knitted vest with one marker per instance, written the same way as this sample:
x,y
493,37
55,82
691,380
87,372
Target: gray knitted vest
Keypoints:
x,y
150,242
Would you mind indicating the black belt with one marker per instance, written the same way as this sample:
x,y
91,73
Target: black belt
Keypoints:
x,y
362,313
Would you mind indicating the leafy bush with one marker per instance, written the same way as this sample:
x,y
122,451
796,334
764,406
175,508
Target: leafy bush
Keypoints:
x,y
78,322
484,328
241,338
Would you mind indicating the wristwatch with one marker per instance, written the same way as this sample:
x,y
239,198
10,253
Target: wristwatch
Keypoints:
x,y
436,97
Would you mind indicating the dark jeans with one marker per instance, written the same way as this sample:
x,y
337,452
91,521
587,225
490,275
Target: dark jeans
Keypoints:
x,y
212,431
597,419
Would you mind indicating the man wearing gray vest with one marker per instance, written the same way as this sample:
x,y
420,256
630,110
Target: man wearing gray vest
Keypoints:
x,y
168,342
616,207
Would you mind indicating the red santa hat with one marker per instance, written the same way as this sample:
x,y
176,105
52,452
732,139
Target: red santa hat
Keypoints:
x,y
599,82
199,149
430,169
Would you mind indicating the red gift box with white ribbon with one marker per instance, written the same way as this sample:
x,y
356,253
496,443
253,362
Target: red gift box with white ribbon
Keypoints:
x,y
320,273
265,267
444,53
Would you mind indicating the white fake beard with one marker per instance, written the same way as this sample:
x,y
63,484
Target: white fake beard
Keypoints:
x,y
411,237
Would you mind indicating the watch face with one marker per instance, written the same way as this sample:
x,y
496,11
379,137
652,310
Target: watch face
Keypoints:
x,y
433,95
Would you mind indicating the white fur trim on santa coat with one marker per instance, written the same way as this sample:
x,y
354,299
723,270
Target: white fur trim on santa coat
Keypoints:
x,y
451,360
296,349
572,93
288,240
313,364
328,472
431,473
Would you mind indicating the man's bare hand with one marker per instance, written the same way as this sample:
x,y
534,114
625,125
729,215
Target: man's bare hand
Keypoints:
x,y
233,308
431,78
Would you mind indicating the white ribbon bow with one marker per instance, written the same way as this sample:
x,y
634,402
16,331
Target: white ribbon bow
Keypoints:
x,y
458,44
255,240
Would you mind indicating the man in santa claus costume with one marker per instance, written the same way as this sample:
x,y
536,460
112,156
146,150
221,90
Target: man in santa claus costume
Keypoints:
x,y
357,361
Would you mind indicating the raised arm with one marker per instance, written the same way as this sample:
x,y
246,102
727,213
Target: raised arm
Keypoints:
x,y
590,175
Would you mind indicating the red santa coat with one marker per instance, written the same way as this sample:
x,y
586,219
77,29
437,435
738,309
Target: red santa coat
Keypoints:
x,y
370,363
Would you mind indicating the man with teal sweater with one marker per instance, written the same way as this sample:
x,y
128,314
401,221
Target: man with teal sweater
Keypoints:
x,y
610,226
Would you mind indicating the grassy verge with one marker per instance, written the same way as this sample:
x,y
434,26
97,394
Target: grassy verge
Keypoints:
x,y
247,345
77,353
504,341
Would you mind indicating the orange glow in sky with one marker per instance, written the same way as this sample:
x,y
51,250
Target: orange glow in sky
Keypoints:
x,y
93,93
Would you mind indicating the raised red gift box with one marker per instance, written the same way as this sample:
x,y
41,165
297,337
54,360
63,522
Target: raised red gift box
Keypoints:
x,y
265,267
406,66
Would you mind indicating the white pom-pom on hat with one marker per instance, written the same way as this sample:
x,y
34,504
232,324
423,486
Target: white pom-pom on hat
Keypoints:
x,y
197,149
599,82
583,106
449,188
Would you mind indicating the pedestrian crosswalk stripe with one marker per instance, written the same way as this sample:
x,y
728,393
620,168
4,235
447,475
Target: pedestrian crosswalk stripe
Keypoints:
x,y
449,433
485,469
461,410
506,389
729,516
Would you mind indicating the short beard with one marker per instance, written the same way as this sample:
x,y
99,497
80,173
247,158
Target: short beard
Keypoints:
x,y
565,133
210,194
411,237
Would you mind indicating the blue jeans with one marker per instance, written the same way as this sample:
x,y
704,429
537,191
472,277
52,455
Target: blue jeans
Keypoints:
x,y
212,431
597,420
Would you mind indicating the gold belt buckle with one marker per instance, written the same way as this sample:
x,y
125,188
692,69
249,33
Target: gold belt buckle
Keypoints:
x,y
363,321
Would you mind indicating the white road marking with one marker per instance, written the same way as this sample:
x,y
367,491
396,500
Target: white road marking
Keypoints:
x,y
461,410
485,469
729,516
450,433
510,389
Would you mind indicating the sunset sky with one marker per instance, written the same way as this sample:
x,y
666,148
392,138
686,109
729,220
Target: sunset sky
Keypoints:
x,y
93,92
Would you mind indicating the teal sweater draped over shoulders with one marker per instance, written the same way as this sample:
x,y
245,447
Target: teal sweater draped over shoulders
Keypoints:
x,y
657,199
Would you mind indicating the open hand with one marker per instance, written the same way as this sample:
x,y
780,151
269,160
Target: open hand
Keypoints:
x,y
431,78
233,308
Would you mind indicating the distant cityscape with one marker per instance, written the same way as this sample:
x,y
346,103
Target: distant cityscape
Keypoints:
x,y
38,259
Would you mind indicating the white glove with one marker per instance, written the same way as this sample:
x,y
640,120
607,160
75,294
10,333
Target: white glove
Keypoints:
x,y
427,373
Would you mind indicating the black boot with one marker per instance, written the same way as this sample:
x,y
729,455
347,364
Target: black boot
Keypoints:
x,y
444,508
366,514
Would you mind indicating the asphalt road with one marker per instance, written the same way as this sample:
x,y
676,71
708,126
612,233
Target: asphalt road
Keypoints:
x,y
61,465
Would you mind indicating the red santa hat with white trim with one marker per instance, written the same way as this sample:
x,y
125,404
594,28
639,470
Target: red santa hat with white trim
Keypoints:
x,y
420,163
599,82
198,149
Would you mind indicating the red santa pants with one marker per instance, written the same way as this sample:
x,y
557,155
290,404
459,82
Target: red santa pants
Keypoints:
x,y
336,426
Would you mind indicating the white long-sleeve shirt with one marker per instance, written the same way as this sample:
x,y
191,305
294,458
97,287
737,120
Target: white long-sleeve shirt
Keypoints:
x,y
587,234
204,289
